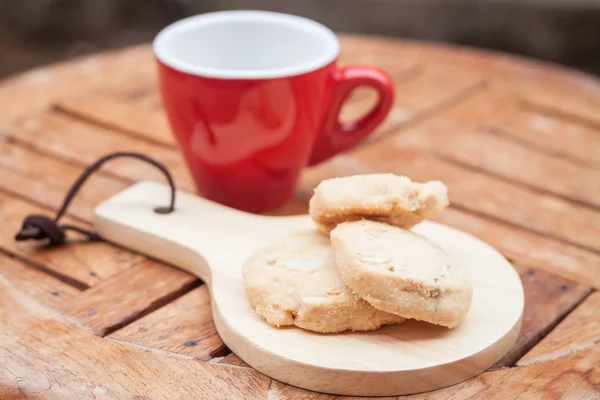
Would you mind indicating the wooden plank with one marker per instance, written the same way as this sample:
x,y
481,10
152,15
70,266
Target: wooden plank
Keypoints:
x,y
436,88
60,135
152,101
36,89
40,286
512,161
281,391
553,135
183,326
80,264
399,66
568,105
126,117
128,296
481,193
579,331
45,356
524,246
132,91
479,108
45,180
573,377
430,92
341,165
528,248
548,298
364,99
145,95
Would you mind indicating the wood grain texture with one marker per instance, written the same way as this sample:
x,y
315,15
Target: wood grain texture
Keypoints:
x,y
576,377
127,296
529,248
147,96
34,283
553,135
81,264
435,87
124,117
583,109
548,298
509,160
432,90
399,68
184,326
143,94
579,331
59,135
476,109
45,357
35,177
69,78
481,193
281,391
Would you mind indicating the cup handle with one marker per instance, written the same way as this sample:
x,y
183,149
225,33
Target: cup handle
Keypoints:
x,y
337,137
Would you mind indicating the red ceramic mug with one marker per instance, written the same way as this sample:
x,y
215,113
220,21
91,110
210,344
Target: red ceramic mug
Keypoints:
x,y
253,97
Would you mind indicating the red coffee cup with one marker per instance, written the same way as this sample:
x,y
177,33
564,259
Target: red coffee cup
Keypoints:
x,y
253,97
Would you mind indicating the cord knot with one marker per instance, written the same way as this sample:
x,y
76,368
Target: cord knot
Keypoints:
x,y
41,227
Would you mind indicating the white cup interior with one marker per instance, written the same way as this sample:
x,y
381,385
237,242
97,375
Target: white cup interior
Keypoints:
x,y
246,45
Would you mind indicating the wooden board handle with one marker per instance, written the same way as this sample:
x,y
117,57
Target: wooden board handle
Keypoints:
x,y
199,236
190,238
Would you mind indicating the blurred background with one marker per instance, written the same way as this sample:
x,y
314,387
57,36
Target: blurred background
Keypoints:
x,y
37,32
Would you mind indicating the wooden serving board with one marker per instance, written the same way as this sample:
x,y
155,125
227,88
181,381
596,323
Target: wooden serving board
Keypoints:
x,y
212,241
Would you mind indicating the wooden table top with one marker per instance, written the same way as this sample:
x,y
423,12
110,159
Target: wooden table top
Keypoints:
x,y
516,142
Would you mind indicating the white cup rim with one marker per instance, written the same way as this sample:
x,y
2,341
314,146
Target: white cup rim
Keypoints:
x,y
162,53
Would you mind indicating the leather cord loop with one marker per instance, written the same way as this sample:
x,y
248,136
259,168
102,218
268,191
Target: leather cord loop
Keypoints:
x,y
39,227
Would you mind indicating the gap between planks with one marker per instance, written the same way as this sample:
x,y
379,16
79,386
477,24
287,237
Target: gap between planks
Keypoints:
x,y
73,113
555,112
514,225
516,182
504,135
83,263
129,296
16,140
485,151
473,90
81,286
576,332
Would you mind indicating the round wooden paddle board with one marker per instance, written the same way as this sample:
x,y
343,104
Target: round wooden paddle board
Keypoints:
x,y
212,242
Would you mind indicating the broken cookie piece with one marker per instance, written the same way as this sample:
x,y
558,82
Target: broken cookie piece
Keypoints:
x,y
294,282
388,198
398,271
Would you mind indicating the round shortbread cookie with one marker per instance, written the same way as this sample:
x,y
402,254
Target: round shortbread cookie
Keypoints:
x,y
382,197
401,272
295,282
